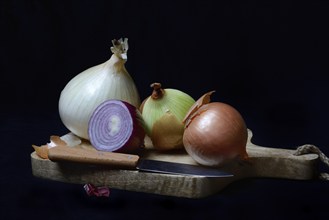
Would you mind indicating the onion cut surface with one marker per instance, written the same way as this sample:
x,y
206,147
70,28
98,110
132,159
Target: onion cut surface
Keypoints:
x,y
116,126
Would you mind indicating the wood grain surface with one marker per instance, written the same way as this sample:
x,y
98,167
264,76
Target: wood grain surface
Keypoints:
x,y
264,162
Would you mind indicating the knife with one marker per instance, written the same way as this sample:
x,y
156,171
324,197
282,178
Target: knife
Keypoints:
x,y
130,161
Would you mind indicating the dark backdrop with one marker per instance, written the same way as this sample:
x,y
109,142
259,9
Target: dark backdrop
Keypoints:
x,y
269,59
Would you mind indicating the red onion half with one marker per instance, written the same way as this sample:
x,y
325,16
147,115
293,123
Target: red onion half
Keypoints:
x,y
116,126
215,133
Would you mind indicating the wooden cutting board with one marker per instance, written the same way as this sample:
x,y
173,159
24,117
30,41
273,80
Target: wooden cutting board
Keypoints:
x,y
264,162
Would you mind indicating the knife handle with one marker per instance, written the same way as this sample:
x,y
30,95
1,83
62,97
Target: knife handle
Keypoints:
x,y
80,155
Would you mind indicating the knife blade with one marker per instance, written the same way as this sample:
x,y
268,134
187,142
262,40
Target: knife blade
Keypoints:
x,y
130,161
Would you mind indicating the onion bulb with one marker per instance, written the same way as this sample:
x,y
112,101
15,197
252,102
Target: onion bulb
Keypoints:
x,y
117,126
163,113
87,90
215,133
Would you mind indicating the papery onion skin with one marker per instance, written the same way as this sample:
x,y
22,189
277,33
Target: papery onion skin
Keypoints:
x,y
116,126
215,135
87,90
167,133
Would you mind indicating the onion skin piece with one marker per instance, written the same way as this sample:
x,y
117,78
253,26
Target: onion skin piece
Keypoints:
x,y
116,126
167,133
215,133
205,99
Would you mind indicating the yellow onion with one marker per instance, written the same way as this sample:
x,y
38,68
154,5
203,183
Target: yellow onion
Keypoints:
x,y
163,113
215,133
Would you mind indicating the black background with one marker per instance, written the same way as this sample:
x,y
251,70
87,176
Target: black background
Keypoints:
x,y
268,59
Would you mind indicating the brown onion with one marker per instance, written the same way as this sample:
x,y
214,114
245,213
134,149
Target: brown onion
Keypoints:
x,y
215,133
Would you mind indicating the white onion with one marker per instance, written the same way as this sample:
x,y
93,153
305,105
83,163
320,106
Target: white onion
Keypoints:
x,y
87,90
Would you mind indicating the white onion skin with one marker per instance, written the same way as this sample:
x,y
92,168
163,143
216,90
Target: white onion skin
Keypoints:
x,y
215,135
